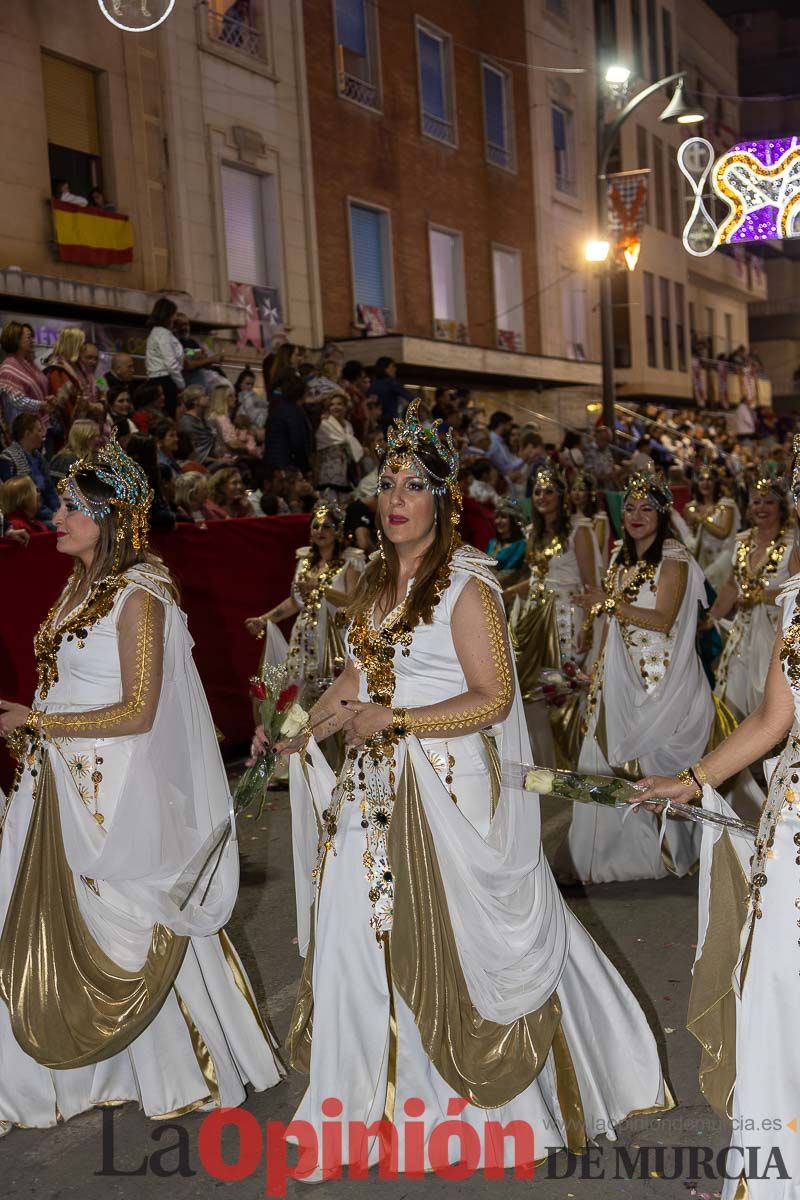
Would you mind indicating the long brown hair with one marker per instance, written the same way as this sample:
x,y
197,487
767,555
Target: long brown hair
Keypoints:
x,y
379,581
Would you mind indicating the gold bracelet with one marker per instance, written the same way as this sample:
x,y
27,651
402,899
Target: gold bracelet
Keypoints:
x,y
34,722
686,777
699,774
400,722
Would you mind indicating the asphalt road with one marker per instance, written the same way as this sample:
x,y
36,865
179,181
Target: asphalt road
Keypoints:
x,y
648,930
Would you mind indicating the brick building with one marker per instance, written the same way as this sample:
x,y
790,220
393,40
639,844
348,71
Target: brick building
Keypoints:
x,y
424,190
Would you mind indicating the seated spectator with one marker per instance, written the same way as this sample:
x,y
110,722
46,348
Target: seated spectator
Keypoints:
x,y
484,478
359,516
599,458
373,452
274,490
120,409
23,387
62,191
191,497
166,435
149,403
533,455
499,453
142,449
20,502
508,545
288,439
227,497
195,424
24,457
86,366
641,459
66,384
570,455
338,450
300,494
254,406
84,436
121,374
229,439
124,431
389,393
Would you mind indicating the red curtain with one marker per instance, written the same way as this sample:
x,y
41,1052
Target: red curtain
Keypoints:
x,y
227,572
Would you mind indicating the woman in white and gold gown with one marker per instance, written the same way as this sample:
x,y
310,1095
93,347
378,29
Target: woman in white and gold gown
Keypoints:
x,y
586,510
119,864
409,869
548,630
650,704
714,521
764,557
746,984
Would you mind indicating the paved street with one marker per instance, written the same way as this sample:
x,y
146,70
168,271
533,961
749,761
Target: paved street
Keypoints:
x,y
648,931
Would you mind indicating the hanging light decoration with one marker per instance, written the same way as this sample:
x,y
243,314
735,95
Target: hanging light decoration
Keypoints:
x,y
136,16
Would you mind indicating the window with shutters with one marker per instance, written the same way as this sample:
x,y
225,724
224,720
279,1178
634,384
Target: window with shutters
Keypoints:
x,y
447,284
252,229
509,310
659,183
680,325
498,116
435,68
371,261
563,149
357,53
237,26
73,127
650,318
666,324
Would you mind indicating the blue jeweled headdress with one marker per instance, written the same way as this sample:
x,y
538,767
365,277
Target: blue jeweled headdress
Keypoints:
x,y
403,441
132,492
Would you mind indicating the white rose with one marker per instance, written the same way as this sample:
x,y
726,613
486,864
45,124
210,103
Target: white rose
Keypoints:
x,y
539,780
295,720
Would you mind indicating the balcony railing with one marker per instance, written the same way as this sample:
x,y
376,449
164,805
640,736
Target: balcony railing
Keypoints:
x,y
726,384
499,156
360,91
443,131
566,184
227,29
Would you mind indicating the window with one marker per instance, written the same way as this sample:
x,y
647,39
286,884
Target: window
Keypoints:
x,y
642,163
498,116
711,332
237,25
666,325
605,24
447,284
652,41
357,58
666,40
650,318
73,128
252,231
435,65
573,301
620,299
680,326
371,259
636,38
564,158
508,305
728,333
658,183
692,323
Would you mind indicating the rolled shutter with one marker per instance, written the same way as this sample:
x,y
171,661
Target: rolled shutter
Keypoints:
x,y
70,99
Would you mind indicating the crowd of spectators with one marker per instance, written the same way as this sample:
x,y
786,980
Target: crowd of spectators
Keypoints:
x,y
273,442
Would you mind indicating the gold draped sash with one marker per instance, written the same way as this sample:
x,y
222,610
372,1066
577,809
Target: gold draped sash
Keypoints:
x,y
70,1005
485,1062
534,639
712,1003
298,1039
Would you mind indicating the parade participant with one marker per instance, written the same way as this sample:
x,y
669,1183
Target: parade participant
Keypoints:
x,y
650,704
508,545
586,511
764,557
745,978
547,628
119,864
457,889
714,521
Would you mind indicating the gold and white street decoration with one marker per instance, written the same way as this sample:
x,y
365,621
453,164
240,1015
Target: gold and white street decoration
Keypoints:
x,y
760,183
136,16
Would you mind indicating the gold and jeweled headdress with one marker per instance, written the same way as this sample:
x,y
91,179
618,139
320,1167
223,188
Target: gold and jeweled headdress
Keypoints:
x,y
404,439
550,476
651,486
706,468
584,480
768,483
132,492
327,511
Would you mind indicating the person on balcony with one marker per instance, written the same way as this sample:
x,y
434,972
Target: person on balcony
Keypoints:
x,y
236,24
62,191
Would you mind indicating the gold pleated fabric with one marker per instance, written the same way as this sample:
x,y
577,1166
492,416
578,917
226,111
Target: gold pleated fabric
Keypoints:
x,y
495,771
298,1039
70,1005
485,1062
725,722
534,639
712,1003
566,722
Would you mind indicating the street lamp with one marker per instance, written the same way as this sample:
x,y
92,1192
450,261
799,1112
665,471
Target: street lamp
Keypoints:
x,y
596,251
681,110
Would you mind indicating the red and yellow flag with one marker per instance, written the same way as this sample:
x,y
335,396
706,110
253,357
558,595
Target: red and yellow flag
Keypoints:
x,y
92,235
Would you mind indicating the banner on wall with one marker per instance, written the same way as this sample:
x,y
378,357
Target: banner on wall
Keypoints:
x,y
627,213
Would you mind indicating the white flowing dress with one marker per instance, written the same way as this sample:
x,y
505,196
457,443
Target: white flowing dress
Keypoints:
x,y
713,553
747,969
516,942
127,882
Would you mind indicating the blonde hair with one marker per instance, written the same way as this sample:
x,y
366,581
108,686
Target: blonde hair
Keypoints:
x,y
218,481
220,401
17,493
191,490
81,436
69,343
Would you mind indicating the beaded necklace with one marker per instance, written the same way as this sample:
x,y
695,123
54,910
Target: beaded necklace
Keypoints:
x,y
302,657
752,582
539,557
47,643
628,592
790,650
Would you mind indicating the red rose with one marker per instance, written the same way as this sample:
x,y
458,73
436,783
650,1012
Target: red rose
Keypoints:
x,y
569,668
287,697
258,689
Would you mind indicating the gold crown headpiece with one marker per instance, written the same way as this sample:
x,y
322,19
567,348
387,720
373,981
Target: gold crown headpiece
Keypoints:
x,y
327,511
404,439
132,492
550,476
649,485
768,482
706,468
585,480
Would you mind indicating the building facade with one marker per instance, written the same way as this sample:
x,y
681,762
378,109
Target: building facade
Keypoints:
x,y
197,131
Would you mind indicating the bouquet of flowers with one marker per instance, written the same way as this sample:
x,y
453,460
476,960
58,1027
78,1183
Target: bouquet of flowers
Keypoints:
x,y
282,717
558,686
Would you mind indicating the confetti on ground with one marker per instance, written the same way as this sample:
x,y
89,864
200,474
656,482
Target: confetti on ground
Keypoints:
x,y
668,1030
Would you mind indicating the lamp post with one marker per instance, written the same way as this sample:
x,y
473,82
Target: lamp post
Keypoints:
x,y
679,111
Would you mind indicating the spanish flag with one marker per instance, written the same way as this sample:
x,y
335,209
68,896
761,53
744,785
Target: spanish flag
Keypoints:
x,y
92,235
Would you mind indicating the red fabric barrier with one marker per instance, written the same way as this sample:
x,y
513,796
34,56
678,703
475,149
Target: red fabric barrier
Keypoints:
x,y
227,572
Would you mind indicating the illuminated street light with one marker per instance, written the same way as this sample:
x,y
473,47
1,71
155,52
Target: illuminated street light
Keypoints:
x,y
596,251
618,74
